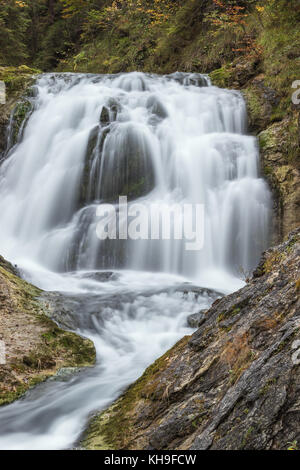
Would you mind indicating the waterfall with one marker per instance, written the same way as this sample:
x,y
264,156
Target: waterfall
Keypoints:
x,y
160,141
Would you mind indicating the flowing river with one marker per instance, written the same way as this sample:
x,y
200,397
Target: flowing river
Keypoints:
x,y
160,140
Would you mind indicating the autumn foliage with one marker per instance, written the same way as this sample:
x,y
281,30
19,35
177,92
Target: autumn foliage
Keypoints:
x,y
232,15
51,33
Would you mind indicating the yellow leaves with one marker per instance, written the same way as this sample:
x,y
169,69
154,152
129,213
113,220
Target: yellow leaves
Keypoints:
x,y
21,4
292,445
156,14
260,9
226,15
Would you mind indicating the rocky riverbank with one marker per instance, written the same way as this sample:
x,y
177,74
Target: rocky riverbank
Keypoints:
x,y
234,384
36,348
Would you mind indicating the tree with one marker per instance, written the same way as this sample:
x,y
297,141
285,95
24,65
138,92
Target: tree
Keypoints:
x,y
14,21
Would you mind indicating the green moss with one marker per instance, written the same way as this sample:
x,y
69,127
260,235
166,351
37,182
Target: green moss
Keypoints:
x,y
278,114
264,390
17,79
7,397
265,140
135,190
21,114
272,261
222,77
280,41
235,310
267,170
256,106
247,437
25,289
7,266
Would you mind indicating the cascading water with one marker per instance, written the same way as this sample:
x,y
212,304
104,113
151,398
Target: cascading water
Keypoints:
x,y
158,140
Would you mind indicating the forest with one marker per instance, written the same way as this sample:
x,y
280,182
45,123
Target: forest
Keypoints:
x,y
123,34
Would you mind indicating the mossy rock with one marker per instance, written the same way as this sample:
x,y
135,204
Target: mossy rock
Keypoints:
x,y
130,170
222,77
104,116
8,266
17,79
128,173
21,114
40,348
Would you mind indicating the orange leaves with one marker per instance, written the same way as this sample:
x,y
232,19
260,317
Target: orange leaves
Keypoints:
x,y
112,15
21,4
74,7
232,17
230,14
156,14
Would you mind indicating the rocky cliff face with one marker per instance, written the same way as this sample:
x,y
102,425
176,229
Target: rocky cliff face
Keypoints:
x,y
234,384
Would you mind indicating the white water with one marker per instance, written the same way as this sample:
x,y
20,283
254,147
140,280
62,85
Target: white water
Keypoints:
x,y
190,145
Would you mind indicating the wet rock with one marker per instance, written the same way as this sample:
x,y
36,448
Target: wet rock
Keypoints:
x,y
17,81
279,154
19,119
196,319
157,109
104,116
93,138
262,104
277,127
278,134
114,108
234,384
185,78
65,373
102,276
236,74
127,164
94,149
